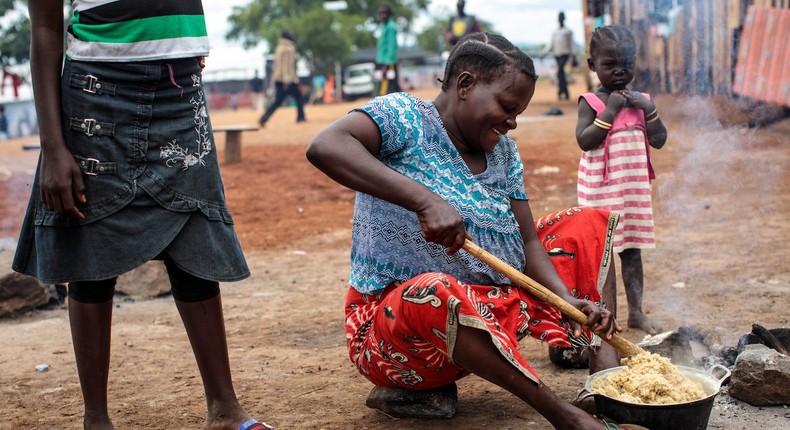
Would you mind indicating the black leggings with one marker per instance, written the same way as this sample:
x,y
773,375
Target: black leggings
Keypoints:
x,y
185,287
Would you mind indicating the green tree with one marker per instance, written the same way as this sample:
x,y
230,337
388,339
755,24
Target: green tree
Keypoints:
x,y
431,38
322,37
14,35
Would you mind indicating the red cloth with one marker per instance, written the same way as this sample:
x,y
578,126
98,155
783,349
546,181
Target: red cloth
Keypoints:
x,y
405,336
15,82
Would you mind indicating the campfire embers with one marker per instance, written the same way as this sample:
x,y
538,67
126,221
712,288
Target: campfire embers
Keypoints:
x,y
691,346
760,364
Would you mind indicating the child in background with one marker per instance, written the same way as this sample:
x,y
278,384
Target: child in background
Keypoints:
x,y
128,173
615,126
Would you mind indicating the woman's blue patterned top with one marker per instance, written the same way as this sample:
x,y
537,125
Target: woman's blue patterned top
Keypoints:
x,y
386,241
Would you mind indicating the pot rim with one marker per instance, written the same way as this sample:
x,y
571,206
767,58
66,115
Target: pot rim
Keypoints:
x,y
712,383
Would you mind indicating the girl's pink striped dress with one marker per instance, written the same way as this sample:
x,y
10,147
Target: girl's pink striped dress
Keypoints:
x,y
616,176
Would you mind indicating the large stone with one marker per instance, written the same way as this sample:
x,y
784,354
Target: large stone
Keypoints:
x,y
147,281
761,376
20,293
404,403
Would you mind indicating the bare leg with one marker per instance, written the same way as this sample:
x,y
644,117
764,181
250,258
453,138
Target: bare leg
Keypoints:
x,y
596,359
205,327
633,279
606,356
475,352
90,334
609,290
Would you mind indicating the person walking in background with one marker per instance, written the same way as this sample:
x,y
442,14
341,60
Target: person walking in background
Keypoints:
x,y
234,101
561,46
460,25
286,83
256,86
387,51
3,124
616,128
128,173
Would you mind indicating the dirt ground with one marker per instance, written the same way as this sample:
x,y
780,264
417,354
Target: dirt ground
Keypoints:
x,y
720,203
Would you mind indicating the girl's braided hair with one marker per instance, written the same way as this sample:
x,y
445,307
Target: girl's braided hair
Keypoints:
x,y
487,55
616,34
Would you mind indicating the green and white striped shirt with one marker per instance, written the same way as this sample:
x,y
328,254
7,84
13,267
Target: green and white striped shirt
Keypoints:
x,y
137,30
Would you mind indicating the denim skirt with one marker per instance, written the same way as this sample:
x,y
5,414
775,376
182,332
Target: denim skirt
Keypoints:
x,y
141,135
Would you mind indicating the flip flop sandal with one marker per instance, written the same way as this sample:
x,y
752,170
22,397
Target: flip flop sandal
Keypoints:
x,y
253,424
613,426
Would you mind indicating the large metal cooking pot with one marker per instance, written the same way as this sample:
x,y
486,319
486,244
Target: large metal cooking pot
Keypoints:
x,y
692,415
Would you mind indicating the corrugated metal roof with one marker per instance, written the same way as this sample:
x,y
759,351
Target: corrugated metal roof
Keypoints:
x,y
763,67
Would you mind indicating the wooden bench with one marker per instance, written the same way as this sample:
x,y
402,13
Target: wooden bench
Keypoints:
x,y
233,140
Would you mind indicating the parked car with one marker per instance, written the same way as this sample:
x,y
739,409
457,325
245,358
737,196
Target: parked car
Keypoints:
x,y
358,81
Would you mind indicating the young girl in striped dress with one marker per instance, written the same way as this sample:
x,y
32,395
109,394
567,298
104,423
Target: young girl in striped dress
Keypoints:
x,y
616,128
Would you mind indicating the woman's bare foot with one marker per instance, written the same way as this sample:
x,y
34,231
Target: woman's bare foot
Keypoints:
x,y
101,422
98,426
225,423
228,419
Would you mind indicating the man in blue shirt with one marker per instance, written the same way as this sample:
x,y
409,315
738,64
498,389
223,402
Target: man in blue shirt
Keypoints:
x,y
386,75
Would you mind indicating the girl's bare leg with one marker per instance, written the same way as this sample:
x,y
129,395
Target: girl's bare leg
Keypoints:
x,y
606,356
90,334
633,279
596,359
205,327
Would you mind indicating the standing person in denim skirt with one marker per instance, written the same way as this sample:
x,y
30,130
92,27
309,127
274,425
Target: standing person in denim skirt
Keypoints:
x,y
128,173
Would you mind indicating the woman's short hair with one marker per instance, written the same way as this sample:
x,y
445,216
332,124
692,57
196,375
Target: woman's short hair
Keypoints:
x,y
486,54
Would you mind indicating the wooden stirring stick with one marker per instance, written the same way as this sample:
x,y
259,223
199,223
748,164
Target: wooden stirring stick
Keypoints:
x,y
621,344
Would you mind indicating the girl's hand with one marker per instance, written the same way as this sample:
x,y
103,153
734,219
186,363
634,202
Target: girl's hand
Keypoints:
x,y
599,320
656,131
61,184
615,102
638,100
441,223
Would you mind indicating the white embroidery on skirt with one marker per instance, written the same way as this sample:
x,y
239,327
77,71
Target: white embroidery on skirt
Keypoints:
x,y
174,154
